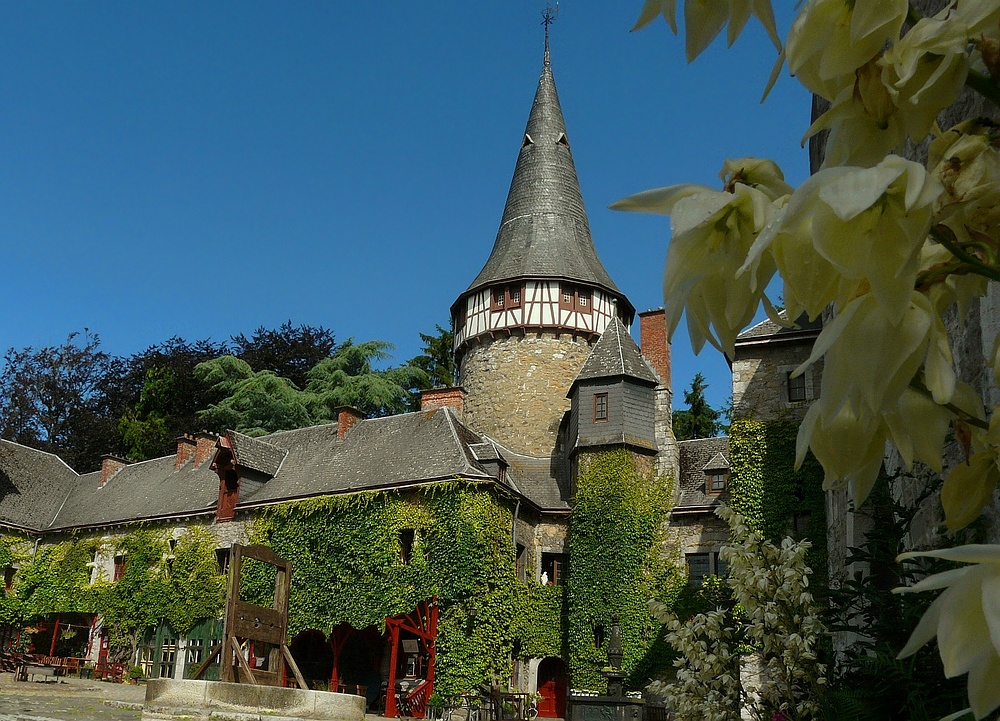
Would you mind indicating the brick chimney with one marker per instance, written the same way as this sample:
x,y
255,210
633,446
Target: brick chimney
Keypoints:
x,y
346,418
653,342
110,465
185,450
204,446
453,397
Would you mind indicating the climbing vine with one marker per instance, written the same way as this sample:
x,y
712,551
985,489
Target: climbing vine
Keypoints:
x,y
618,565
771,495
177,583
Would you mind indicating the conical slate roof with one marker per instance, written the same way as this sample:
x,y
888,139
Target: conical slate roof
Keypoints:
x,y
544,231
614,355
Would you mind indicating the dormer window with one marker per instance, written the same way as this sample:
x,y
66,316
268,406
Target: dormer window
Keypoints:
x,y
716,482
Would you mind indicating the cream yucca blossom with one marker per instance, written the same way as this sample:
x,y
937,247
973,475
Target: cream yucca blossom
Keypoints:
x,y
846,227
711,234
704,20
831,39
863,121
966,161
965,618
925,70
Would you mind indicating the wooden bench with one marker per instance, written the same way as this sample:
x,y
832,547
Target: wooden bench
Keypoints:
x,y
35,669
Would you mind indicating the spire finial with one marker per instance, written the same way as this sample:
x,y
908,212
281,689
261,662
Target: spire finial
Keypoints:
x,y
549,17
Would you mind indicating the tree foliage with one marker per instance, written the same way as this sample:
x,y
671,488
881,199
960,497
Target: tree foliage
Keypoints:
x,y
287,351
699,420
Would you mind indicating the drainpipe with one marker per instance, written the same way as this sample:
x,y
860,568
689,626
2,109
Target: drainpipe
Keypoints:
x,y
513,524
34,551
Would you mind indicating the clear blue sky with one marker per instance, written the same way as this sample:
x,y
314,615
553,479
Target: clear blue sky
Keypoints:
x,y
200,169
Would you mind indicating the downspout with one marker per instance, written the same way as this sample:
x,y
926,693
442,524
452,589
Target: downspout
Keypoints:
x,y
34,551
513,523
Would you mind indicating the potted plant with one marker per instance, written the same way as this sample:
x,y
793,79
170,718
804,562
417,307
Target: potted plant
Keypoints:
x,y
135,674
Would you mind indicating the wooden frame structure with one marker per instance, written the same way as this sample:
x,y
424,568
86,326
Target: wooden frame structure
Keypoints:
x,y
248,623
422,623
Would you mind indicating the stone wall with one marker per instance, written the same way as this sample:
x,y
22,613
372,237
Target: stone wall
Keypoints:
x,y
760,377
516,388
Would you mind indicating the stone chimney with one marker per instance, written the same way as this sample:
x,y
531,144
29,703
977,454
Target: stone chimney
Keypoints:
x,y
453,397
204,447
653,342
346,418
110,465
185,450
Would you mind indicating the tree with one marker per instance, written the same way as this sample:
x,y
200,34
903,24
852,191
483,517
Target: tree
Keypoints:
x,y
255,403
700,420
288,351
155,396
437,361
887,246
51,398
349,378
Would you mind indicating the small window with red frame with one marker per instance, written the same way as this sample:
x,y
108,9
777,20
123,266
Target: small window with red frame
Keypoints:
x,y
499,299
119,567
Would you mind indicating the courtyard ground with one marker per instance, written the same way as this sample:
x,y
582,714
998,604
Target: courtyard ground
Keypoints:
x,y
71,699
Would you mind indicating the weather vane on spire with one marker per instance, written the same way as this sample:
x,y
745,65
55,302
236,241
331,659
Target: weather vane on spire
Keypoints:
x,y
549,17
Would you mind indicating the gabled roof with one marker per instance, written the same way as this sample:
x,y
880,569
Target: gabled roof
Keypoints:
x,y
400,450
255,454
770,331
544,481
33,486
616,355
544,232
697,457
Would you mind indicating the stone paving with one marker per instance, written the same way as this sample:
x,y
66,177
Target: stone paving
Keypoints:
x,y
71,699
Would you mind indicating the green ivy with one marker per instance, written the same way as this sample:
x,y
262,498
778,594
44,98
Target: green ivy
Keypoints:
x,y
769,492
56,580
181,586
345,554
617,565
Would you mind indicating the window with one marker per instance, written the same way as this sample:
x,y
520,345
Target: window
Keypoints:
x,y
600,407
554,567
702,565
716,482
406,539
168,657
508,296
119,567
222,556
573,298
8,577
796,388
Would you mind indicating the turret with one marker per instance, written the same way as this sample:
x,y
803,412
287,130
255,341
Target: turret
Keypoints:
x,y
525,326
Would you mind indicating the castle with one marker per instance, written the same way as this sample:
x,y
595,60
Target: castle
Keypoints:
x,y
549,376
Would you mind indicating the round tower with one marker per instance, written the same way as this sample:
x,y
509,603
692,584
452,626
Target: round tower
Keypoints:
x,y
526,324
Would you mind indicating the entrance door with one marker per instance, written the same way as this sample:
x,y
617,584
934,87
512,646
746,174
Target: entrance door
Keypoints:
x,y
552,688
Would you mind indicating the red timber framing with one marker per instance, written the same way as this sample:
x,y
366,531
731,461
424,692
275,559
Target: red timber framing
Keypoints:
x,y
422,623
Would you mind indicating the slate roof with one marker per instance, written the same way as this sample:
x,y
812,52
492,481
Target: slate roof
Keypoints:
x,y
615,355
376,453
696,457
543,481
33,486
145,490
544,232
256,454
768,329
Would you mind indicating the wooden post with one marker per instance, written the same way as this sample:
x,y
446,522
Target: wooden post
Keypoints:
x,y
55,635
390,692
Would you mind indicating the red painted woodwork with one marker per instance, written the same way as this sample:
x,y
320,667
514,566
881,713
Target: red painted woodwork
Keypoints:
x,y
422,623
552,682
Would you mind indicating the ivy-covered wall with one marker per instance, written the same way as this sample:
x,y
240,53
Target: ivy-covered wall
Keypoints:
x,y
180,586
345,552
770,493
617,564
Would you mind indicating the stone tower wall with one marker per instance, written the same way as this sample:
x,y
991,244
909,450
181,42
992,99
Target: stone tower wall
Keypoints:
x,y
516,388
